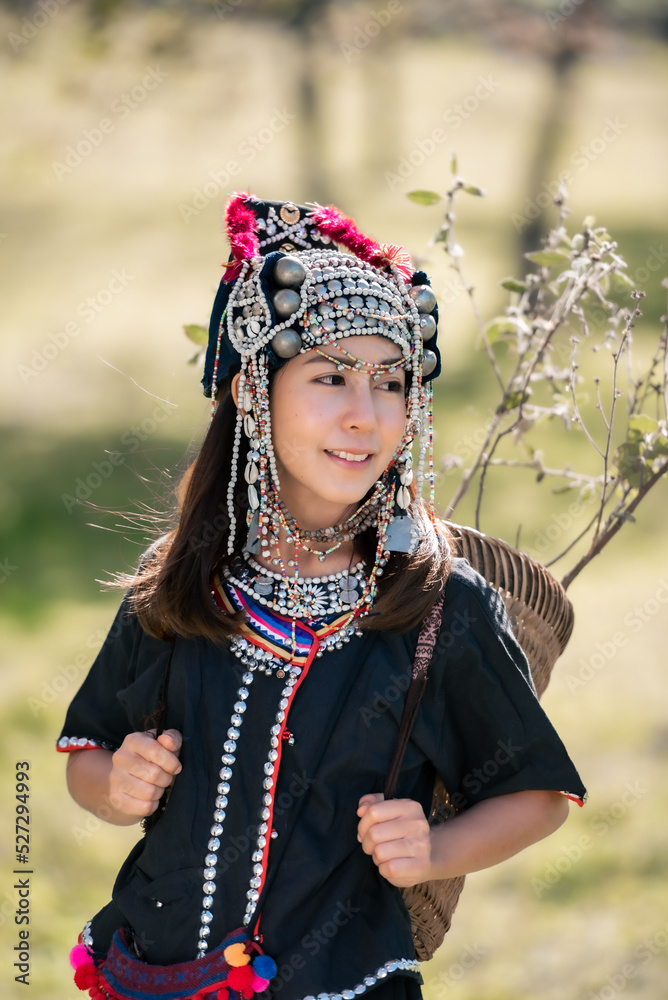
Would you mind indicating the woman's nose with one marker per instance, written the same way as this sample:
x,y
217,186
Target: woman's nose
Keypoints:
x,y
361,412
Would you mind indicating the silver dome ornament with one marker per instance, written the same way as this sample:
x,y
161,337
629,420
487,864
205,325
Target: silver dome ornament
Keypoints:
x,y
427,326
423,297
286,343
286,302
289,272
429,362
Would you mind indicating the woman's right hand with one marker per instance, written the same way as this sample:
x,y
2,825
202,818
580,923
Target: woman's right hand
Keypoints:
x,y
142,768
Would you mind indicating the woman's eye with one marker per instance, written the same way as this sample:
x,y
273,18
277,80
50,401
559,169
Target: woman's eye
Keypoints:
x,y
331,379
394,386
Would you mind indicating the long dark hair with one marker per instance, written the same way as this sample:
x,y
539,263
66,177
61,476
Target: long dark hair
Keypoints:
x,y
171,591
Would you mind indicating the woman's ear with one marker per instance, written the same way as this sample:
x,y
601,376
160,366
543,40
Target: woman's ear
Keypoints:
x,y
234,388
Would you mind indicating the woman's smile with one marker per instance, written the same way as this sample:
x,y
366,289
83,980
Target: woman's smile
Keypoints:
x,y
348,457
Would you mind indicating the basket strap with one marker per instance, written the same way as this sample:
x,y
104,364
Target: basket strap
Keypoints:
x,y
423,654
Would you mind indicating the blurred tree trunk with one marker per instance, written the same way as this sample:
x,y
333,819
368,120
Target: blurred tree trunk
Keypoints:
x,y
312,130
380,70
572,37
546,167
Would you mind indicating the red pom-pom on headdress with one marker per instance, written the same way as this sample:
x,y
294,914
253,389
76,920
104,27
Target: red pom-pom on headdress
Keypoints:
x,y
240,223
329,221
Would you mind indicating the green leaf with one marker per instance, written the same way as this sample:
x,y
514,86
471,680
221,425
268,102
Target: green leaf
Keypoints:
x,y
198,334
500,329
453,164
547,258
442,235
511,401
658,448
474,189
641,425
630,463
424,197
513,285
622,281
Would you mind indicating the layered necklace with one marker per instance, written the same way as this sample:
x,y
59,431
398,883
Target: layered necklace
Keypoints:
x,y
287,614
302,597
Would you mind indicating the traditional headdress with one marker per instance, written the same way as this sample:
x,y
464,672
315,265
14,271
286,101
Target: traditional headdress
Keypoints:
x,y
300,278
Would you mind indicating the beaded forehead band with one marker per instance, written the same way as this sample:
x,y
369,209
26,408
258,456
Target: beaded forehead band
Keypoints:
x,y
291,287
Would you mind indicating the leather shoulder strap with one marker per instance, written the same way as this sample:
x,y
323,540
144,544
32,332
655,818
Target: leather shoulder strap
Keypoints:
x,y
423,654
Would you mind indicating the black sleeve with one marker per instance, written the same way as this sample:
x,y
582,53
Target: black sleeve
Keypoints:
x,y
480,722
121,688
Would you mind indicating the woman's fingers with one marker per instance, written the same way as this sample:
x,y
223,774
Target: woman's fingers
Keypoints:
x,y
172,740
374,810
143,767
396,835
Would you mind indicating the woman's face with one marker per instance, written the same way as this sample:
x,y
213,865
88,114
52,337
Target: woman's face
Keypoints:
x,y
335,432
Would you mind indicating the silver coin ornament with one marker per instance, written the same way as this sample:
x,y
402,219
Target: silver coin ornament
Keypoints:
x,y
286,302
427,326
424,298
286,343
429,362
289,272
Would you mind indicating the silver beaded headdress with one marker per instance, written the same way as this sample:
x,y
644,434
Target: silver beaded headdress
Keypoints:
x,y
290,286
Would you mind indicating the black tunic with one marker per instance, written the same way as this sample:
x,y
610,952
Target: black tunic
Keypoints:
x,y
327,916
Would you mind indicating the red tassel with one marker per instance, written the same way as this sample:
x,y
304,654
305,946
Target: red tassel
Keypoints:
x,y
240,222
240,977
85,976
339,227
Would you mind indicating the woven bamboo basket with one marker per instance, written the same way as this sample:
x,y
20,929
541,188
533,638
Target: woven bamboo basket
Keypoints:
x,y
542,619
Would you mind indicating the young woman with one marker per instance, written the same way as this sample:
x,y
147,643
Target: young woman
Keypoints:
x,y
246,703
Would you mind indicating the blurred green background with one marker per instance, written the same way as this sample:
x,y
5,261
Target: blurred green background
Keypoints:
x,y
125,126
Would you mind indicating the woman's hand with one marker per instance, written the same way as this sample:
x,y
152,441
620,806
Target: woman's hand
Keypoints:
x,y
142,768
125,786
396,835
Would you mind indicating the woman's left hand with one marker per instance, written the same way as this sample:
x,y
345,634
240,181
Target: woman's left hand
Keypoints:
x,y
396,835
